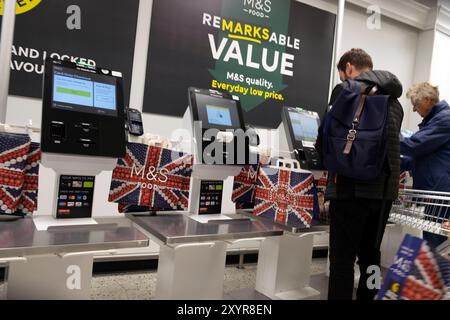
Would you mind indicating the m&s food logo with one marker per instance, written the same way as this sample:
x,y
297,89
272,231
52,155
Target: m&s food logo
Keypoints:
x,y
258,8
22,6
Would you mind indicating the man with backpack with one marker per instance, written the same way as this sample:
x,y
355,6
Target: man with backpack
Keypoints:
x,y
359,144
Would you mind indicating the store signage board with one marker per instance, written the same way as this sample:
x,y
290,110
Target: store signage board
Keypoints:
x,y
100,32
269,53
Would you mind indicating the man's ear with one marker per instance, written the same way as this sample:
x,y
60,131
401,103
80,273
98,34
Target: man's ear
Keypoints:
x,y
348,70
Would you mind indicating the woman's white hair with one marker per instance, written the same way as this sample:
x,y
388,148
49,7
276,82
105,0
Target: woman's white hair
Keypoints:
x,y
421,91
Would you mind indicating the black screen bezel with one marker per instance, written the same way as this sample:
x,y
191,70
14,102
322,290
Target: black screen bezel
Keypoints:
x,y
47,95
291,110
297,145
108,128
286,118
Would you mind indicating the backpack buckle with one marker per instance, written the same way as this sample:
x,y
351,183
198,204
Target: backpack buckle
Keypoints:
x,y
351,135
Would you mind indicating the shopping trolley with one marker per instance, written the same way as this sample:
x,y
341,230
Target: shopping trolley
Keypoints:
x,y
422,210
419,272
425,211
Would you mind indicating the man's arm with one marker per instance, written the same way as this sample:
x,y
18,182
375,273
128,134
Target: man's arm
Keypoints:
x,y
427,140
336,91
406,163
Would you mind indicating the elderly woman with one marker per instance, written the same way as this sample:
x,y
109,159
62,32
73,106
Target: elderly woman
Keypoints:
x,y
427,152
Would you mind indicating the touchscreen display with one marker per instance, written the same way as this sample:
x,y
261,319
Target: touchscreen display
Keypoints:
x,y
218,115
305,127
82,91
215,112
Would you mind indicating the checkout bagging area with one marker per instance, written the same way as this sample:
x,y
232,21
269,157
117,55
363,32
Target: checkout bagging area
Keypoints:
x,y
209,190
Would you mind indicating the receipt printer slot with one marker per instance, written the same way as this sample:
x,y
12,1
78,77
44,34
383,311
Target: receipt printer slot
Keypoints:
x,y
86,143
57,131
86,127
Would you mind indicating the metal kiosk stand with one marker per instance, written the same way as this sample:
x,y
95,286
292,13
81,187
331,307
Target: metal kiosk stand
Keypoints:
x,y
284,262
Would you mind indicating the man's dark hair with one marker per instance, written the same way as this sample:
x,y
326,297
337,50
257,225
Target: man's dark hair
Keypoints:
x,y
357,57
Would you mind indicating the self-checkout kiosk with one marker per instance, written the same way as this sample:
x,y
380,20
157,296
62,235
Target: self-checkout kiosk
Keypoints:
x,y
221,145
215,136
284,262
297,136
83,134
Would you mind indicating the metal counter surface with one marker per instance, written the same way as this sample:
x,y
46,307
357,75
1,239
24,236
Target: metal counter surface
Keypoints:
x,y
21,238
173,229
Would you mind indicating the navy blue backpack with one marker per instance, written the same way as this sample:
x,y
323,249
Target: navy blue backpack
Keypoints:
x,y
354,133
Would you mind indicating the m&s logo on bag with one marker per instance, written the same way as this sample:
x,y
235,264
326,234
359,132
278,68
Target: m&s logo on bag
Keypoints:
x,y
152,175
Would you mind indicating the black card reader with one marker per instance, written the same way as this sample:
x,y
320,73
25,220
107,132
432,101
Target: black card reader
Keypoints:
x,y
134,122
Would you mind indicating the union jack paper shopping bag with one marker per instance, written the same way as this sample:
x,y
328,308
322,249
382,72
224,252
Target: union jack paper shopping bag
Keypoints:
x,y
28,200
244,184
19,169
404,179
152,177
417,274
286,197
320,182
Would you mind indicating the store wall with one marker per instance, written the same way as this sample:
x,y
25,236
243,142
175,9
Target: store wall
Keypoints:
x,y
393,48
422,72
440,69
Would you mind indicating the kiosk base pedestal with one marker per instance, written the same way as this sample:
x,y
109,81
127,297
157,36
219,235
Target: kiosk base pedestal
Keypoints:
x,y
50,277
191,271
284,266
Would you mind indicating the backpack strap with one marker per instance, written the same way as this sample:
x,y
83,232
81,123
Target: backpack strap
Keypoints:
x,y
351,136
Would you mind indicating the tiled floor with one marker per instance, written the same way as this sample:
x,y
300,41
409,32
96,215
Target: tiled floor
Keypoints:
x,y
142,285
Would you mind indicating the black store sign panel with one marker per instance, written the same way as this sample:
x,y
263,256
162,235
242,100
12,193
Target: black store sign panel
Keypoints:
x,y
100,32
270,53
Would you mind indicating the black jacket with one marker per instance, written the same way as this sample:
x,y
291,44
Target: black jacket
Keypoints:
x,y
386,185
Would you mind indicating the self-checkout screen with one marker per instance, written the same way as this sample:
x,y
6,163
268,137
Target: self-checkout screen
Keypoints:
x,y
305,127
218,115
217,112
82,91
